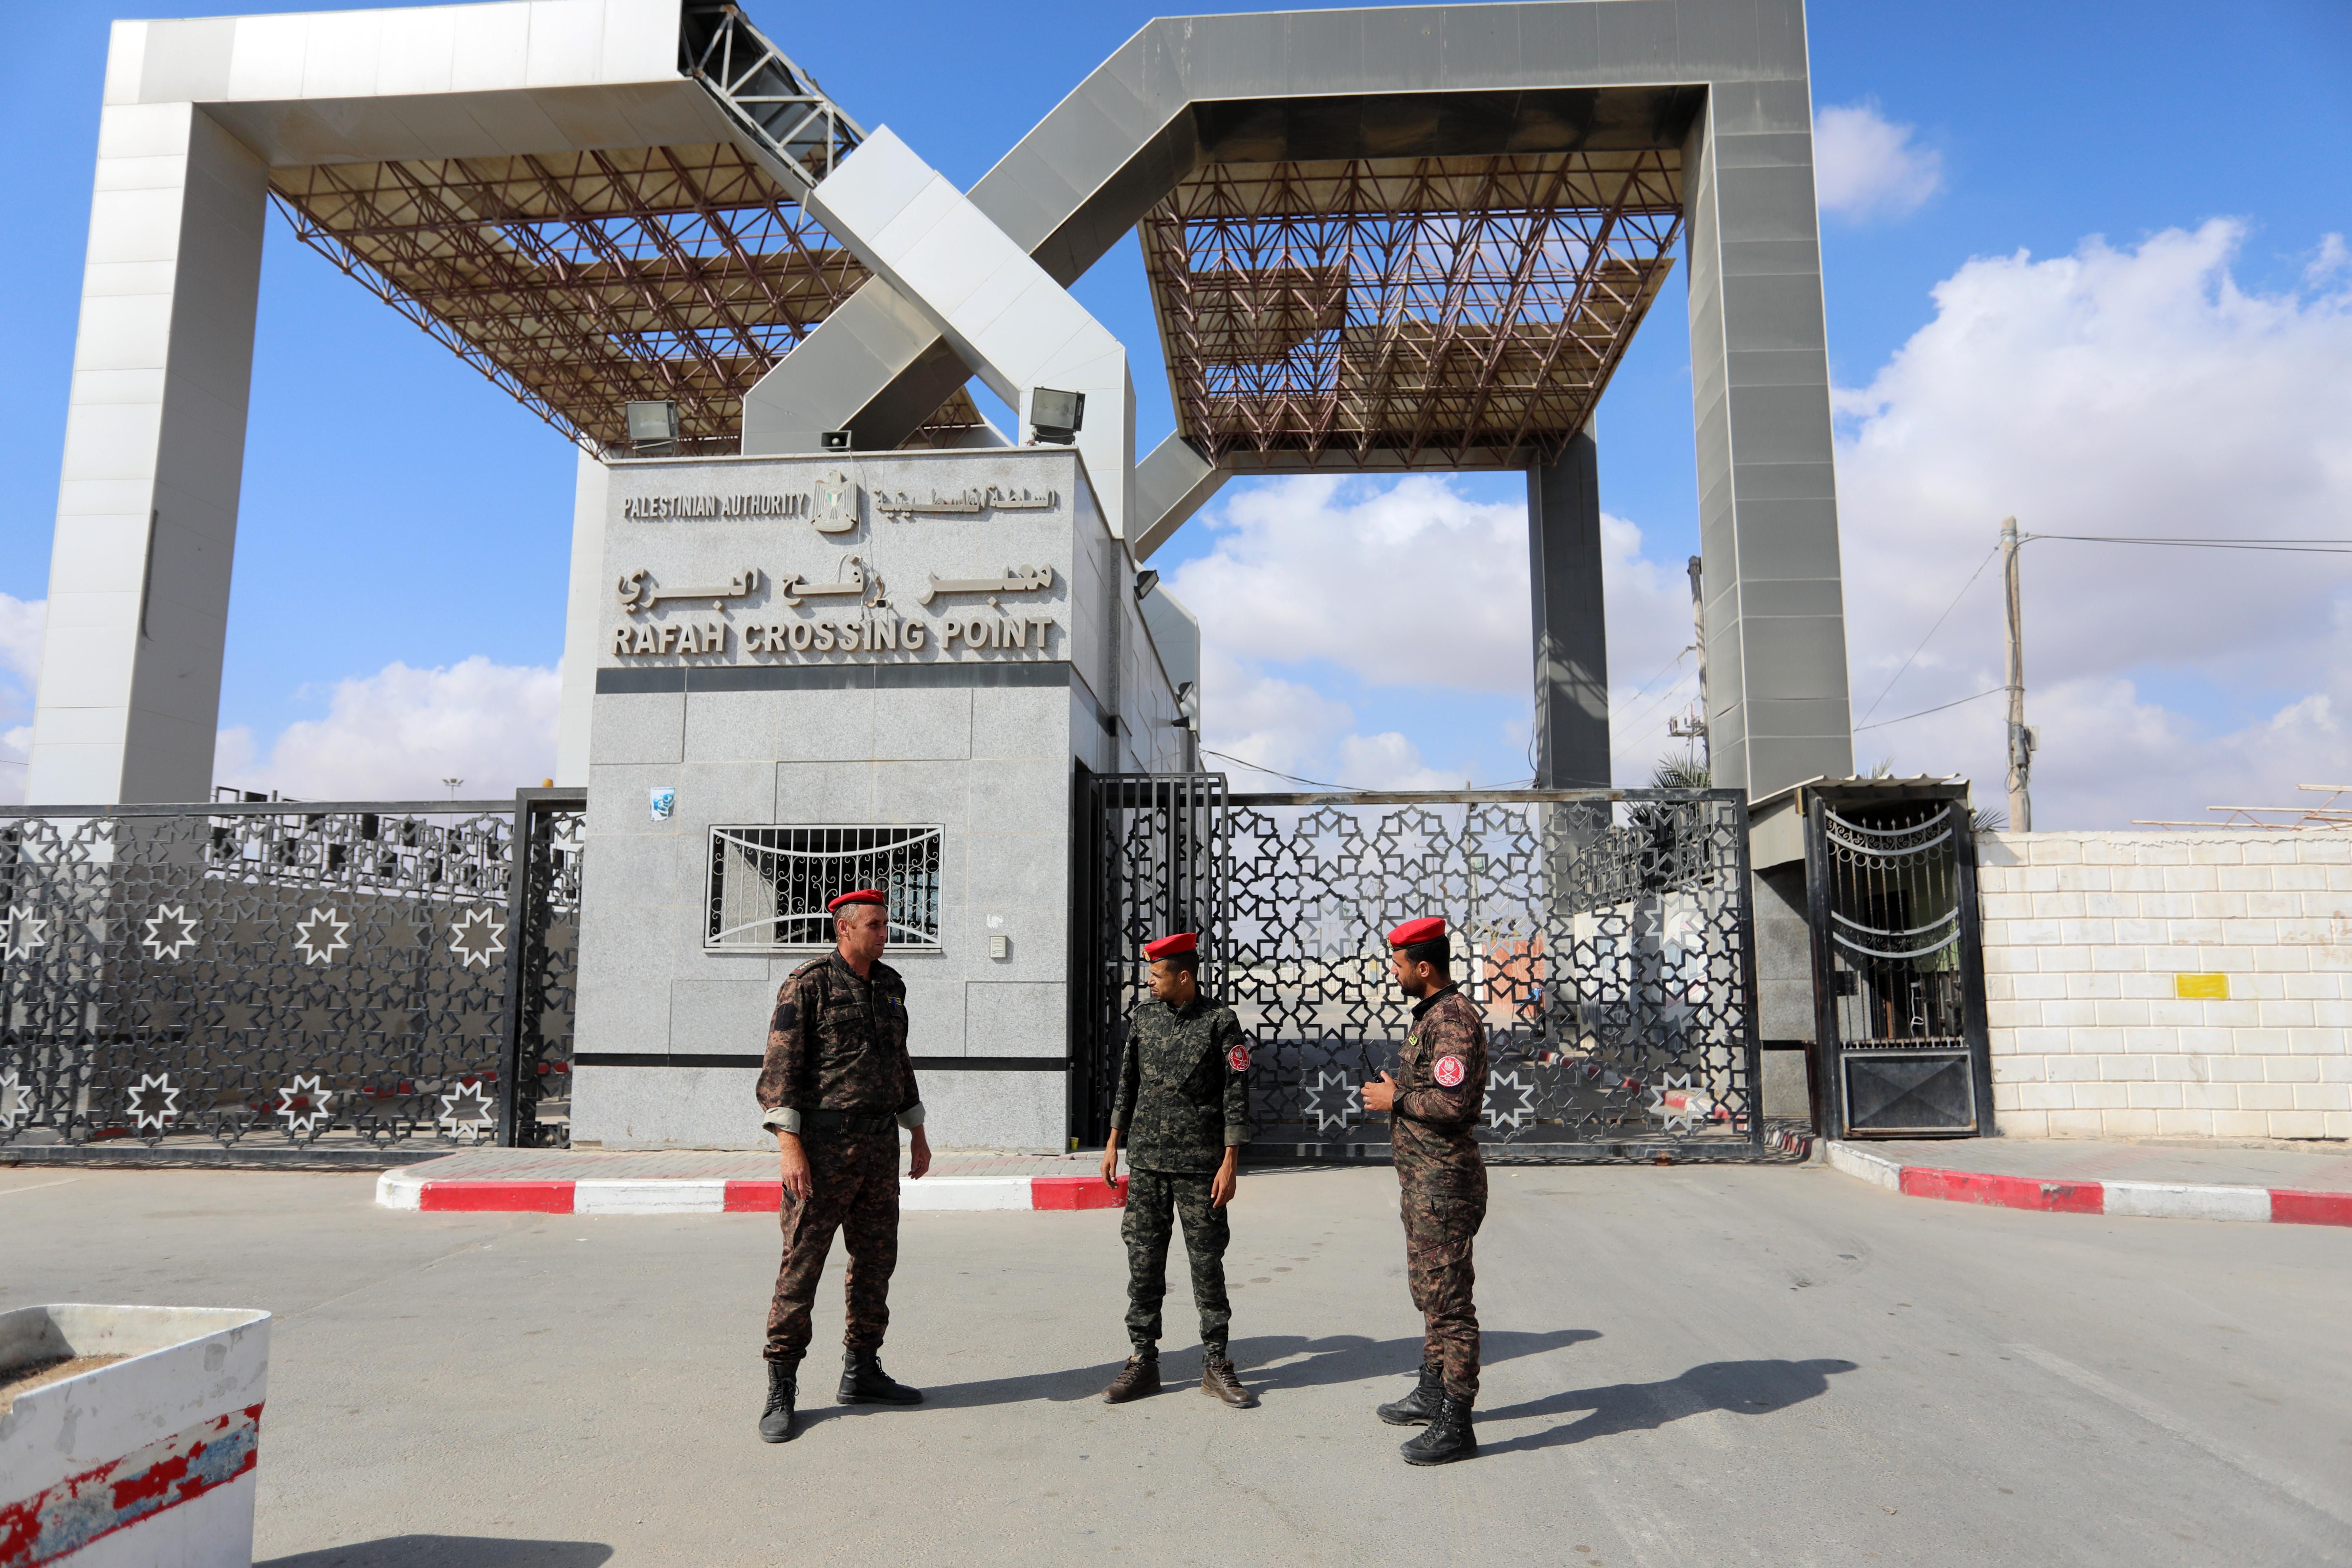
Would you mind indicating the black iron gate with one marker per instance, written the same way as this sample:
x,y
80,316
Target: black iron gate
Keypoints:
x,y
295,974
1606,936
1899,969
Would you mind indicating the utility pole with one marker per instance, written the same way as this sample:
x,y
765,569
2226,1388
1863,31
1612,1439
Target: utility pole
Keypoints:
x,y
1695,727
2021,739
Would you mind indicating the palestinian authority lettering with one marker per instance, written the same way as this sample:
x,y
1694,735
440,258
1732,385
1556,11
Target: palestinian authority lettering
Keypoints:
x,y
793,590
634,596
689,509
973,501
1016,580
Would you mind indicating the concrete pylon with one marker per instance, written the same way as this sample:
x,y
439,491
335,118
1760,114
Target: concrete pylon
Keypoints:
x,y
1571,640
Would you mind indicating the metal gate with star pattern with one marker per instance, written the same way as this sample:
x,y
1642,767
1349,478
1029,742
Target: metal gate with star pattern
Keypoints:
x,y
272,972
1606,936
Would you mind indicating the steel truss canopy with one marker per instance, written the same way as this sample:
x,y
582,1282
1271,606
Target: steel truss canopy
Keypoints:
x,y
1417,311
581,281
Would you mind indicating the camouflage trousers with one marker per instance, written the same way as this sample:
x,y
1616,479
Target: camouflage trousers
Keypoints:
x,y
855,1182
1155,1199
1440,1220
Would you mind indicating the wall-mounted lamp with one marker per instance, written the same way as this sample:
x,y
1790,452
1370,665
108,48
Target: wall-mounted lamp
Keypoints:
x,y
652,428
1145,580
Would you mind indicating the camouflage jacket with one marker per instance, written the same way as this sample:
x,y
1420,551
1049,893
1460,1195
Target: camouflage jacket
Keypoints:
x,y
838,1043
1441,1088
1184,1087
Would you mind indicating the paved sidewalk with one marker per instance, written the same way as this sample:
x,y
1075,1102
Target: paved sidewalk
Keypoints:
x,y
2153,1179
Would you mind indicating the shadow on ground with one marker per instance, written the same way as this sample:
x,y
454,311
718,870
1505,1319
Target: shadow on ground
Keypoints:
x,y
450,1551
1742,1387
1269,1363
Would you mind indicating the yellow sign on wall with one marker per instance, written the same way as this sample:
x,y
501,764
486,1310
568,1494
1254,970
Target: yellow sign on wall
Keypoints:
x,y
2202,987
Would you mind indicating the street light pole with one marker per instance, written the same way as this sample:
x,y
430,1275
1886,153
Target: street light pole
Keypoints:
x,y
2021,739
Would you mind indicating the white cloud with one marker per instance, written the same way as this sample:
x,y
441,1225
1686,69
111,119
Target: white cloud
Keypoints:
x,y
2112,391
397,734
1866,166
1403,584
21,621
1407,583
2327,261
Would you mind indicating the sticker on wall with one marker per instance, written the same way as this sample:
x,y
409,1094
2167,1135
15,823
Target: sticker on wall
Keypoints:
x,y
2200,987
663,802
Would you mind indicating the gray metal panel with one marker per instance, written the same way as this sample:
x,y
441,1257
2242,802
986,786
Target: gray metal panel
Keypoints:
x,y
1637,39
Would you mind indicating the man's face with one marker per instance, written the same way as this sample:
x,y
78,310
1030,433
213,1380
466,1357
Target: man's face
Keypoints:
x,y
1412,979
1172,983
865,931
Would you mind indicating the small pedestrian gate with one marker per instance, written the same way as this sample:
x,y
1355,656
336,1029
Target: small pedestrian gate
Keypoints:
x,y
1606,936
273,973
1898,969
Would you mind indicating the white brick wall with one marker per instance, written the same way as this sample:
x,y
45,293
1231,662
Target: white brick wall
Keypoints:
x,y
2084,936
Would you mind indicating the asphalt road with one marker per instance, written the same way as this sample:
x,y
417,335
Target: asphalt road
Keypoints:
x,y
1684,1366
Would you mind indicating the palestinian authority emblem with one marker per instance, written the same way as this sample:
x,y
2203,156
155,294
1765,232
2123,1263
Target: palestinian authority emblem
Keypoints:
x,y
834,507
1451,1072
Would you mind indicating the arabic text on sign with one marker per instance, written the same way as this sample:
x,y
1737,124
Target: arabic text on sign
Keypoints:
x,y
1016,580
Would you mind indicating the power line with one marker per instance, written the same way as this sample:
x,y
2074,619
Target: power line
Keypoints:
x,y
1922,712
2290,546
1277,773
1931,634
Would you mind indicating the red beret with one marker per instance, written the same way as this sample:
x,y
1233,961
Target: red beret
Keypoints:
x,y
1182,943
1414,933
863,895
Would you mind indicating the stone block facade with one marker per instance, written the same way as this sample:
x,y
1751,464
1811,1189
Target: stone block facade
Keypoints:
x,y
2154,984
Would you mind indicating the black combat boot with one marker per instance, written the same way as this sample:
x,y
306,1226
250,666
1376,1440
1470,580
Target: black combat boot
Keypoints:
x,y
1449,1437
863,1382
784,1389
1415,1408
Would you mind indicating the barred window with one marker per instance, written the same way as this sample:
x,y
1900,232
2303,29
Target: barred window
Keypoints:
x,y
768,885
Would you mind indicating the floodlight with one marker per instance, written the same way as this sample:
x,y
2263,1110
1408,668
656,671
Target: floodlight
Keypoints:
x,y
834,440
652,428
1056,417
1145,580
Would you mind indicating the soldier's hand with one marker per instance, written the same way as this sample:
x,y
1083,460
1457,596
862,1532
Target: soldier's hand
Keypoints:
x,y
1223,1185
794,1159
918,1157
1380,1093
1110,1166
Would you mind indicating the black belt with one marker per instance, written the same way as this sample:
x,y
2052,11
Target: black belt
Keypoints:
x,y
849,1122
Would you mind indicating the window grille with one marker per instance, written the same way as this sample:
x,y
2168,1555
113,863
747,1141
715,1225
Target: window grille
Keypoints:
x,y
769,885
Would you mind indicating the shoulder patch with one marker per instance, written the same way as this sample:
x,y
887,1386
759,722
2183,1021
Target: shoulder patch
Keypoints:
x,y
1451,1071
788,1015
1238,1058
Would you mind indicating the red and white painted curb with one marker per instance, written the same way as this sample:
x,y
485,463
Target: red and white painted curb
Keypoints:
x,y
2152,1200
404,1189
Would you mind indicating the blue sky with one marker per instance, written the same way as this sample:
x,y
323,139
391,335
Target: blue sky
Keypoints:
x,y
379,465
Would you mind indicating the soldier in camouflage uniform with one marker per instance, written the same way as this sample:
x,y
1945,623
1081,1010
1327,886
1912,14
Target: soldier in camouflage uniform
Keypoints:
x,y
1434,1105
836,1088
1184,1104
